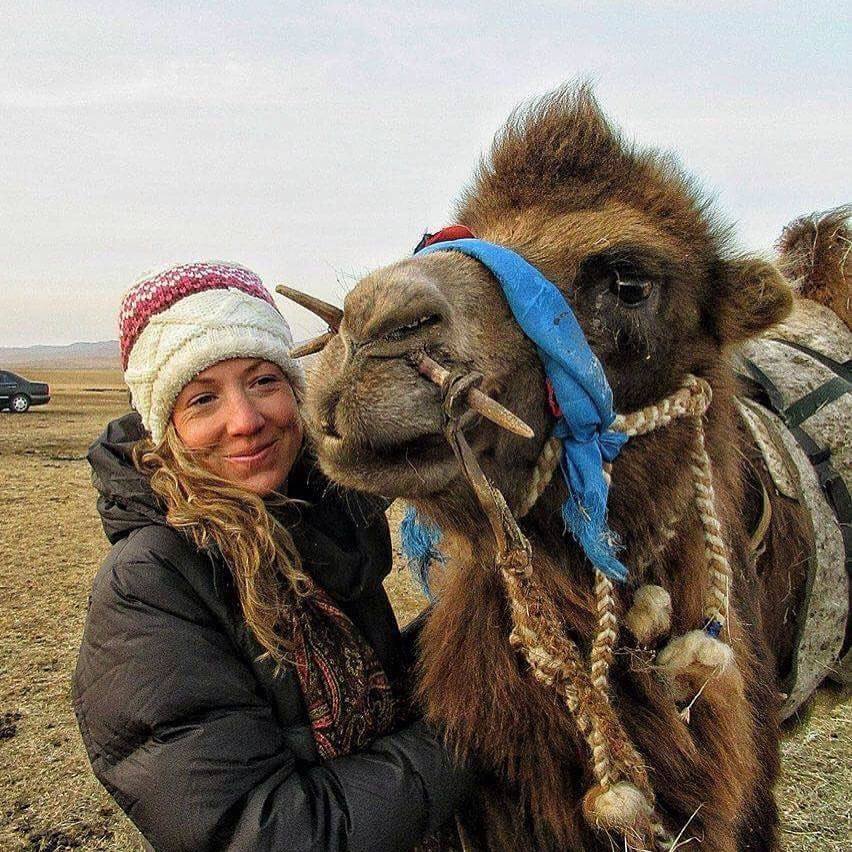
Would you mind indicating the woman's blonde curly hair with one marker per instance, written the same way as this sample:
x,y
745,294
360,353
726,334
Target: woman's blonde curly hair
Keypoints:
x,y
216,514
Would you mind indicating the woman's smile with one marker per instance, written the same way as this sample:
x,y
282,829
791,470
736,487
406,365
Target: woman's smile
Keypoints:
x,y
253,457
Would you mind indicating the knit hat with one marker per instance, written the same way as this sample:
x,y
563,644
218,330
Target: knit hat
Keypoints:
x,y
181,320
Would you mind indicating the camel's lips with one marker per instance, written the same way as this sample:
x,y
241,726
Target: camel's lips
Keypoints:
x,y
424,450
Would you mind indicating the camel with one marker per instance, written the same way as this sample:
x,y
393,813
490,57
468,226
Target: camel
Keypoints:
x,y
603,713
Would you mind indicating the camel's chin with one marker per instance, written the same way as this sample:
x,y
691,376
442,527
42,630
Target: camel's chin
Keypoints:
x,y
411,470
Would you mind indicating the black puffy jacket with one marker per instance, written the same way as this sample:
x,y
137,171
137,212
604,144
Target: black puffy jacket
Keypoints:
x,y
199,743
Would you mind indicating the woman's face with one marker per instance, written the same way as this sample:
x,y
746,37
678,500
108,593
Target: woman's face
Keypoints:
x,y
242,415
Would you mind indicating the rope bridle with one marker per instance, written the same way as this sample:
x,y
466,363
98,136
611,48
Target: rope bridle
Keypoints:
x,y
622,798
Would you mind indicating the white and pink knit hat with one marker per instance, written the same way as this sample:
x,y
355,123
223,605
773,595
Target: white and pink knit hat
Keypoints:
x,y
181,320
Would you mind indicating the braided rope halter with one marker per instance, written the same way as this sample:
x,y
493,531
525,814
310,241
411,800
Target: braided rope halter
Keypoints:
x,y
622,798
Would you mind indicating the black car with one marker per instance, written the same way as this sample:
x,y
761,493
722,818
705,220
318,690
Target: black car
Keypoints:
x,y
18,394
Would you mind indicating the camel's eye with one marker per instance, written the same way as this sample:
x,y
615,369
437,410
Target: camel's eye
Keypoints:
x,y
631,274
630,290
403,331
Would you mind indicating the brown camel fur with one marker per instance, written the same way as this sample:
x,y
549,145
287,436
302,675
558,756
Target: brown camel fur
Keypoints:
x,y
565,191
814,253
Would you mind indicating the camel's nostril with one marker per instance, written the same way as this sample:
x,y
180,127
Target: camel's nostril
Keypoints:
x,y
329,428
327,420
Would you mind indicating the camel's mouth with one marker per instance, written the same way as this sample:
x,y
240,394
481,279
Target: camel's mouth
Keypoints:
x,y
417,465
427,447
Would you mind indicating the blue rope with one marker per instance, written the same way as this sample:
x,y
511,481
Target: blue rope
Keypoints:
x,y
420,541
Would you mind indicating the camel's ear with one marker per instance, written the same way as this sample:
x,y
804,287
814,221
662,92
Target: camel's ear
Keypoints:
x,y
753,296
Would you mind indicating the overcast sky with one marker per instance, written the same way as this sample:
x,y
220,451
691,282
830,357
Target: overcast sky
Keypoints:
x,y
314,141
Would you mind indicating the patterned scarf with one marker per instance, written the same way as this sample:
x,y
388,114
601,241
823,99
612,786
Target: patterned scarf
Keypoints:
x,y
349,698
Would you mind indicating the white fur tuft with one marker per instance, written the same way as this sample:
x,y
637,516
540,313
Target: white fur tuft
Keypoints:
x,y
650,616
695,656
622,807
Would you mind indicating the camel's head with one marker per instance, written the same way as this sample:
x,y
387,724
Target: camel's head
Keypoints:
x,y
622,233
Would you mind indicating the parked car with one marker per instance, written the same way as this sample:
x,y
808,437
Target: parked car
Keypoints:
x,y
17,394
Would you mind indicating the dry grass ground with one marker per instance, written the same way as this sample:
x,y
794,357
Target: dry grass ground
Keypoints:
x,y
50,546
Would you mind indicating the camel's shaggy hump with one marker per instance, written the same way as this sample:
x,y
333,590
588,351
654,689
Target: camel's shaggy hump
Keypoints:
x,y
814,254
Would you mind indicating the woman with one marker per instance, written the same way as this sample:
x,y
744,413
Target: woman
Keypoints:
x,y
239,684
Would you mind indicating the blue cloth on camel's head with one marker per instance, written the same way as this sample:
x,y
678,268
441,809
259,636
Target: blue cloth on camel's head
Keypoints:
x,y
580,386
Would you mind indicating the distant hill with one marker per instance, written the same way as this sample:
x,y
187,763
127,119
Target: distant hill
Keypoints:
x,y
103,354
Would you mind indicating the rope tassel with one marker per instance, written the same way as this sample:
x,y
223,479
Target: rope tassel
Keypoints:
x,y
692,400
690,663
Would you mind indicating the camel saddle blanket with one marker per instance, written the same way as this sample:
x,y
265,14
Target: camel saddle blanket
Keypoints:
x,y
802,424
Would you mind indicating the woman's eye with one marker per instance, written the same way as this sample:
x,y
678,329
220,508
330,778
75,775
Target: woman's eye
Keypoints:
x,y
202,399
404,331
266,380
631,291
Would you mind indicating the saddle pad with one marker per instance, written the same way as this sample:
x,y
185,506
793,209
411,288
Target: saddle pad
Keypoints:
x,y
804,365
797,374
821,626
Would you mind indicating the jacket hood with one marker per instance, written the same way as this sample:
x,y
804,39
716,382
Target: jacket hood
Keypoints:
x,y
125,499
341,535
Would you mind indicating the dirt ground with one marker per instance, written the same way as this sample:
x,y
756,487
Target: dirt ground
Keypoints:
x,y
50,546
